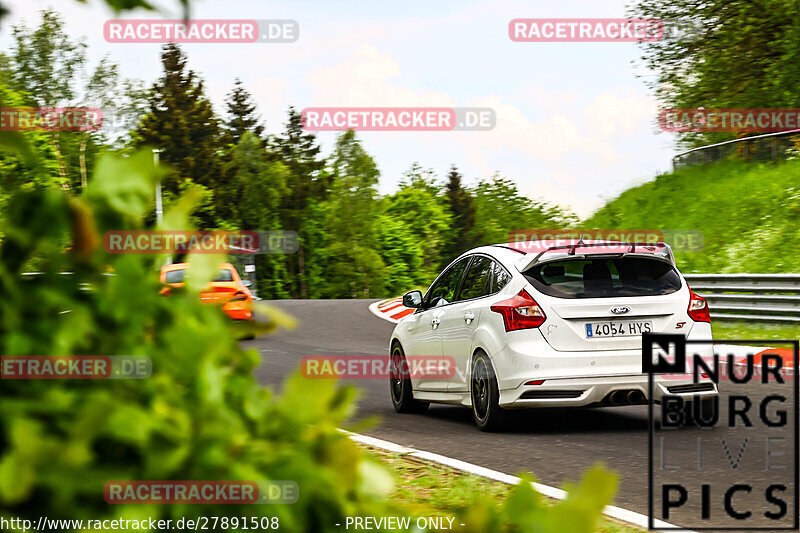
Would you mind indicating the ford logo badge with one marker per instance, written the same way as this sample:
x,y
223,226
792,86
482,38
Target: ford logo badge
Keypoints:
x,y
620,309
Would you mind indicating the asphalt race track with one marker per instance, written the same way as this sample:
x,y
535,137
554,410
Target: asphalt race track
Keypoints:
x,y
555,444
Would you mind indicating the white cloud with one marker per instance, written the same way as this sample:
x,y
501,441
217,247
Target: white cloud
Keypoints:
x,y
621,111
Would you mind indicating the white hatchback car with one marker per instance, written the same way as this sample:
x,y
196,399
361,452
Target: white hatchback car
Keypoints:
x,y
556,326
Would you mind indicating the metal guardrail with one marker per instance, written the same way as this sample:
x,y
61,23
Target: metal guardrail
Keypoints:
x,y
766,147
754,297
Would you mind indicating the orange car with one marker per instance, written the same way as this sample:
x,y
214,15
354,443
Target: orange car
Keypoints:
x,y
226,289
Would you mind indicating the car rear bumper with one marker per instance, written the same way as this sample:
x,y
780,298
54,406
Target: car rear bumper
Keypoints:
x,y
527,356
581,378
597,390
238,310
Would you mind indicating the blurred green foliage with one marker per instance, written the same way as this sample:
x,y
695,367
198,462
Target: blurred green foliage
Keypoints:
x,y
201,416
527,511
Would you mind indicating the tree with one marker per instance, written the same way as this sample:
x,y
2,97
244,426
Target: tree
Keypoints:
x,y
353,191
20,173
462,209
501,209
50,68
299,151
182,124
402,253
421,207
259,185
723,54
46,62
420,178
242,115
355,269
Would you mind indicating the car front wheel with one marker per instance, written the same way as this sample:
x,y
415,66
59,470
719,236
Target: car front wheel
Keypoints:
x,y
400,385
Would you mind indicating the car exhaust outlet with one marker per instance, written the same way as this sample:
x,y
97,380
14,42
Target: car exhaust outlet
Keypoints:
x,y
617,397
635,396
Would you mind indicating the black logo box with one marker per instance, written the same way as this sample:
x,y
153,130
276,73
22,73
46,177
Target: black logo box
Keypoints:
x,y
667,340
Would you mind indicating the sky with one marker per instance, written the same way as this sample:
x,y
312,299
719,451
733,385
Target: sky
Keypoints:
x,y
576,122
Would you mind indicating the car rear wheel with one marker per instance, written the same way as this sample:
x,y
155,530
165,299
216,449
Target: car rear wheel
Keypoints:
x,y
400,385
486,410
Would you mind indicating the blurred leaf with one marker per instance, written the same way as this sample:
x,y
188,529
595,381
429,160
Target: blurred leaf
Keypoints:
x,y
16,141
126,184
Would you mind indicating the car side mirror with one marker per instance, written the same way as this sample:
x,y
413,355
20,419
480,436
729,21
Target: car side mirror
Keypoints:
x,y
412,299
246,282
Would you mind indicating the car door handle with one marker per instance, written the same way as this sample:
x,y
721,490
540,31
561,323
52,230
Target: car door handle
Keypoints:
x,y
469,317
435,323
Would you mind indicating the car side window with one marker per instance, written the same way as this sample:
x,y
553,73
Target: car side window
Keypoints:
x,y
501,278
444,289
478,281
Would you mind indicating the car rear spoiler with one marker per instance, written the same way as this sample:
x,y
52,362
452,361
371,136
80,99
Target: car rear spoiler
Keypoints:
x,y
658,250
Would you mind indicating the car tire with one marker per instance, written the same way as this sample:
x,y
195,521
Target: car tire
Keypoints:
x,y
485,395
400,386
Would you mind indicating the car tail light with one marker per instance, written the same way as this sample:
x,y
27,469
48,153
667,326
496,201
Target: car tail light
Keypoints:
x,y
535,382
240,296
520,312
698,308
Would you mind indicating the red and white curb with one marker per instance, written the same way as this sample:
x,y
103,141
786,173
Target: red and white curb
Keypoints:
x,y
612,511
392,310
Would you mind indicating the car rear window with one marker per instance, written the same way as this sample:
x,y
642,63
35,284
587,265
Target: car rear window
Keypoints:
x,y
178,276
175,276
224,275
604,277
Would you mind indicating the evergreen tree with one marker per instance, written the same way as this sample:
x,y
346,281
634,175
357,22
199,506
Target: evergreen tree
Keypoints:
x,y
242,115
355,269
462,208
299,151
182,124
260,186
354,191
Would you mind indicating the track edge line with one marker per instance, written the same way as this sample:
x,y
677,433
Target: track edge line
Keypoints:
x,y
612,511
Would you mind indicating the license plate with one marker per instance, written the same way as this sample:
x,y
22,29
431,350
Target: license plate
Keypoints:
x,y
630,328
